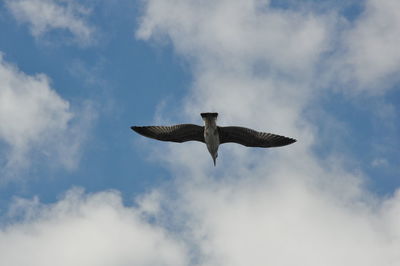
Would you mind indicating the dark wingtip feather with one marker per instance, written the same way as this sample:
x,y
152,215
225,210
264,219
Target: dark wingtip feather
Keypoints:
x,y
137,129
279,141
288,141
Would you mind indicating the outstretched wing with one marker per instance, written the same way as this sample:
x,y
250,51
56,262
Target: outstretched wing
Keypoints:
x,y
251,138
176,133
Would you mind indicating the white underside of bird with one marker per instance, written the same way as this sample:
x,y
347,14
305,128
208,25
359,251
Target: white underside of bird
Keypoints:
x,y
213,135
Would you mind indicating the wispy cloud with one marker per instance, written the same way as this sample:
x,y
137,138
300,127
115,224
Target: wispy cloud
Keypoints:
x,y
43,16
35,122
371,59
379,162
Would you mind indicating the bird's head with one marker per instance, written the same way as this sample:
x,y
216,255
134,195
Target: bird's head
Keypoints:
x,y
209,119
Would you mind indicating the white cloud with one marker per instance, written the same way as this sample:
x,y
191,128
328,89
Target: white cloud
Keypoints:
x,y
36,122
289,41
253,64
288,218
280,216
85,230
371,61
43,16
261,67
379,162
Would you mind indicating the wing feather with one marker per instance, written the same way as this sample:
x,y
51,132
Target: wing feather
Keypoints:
x,y
252,138
176,133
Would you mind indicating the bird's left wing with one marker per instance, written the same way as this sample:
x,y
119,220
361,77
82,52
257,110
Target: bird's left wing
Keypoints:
x,y
176,133
251,138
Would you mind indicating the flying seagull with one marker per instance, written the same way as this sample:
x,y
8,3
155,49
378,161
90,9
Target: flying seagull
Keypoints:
x,y
213,135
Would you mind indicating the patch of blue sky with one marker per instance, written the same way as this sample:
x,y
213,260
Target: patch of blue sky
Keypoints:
x,y
349,9
352,127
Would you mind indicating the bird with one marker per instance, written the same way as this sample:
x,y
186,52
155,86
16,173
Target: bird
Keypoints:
x,y
213,135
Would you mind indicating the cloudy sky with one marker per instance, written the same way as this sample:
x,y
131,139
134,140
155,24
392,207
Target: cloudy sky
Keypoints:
x,y
78,187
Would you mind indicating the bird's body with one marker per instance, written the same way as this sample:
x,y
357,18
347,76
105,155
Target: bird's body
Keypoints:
x,y
213,135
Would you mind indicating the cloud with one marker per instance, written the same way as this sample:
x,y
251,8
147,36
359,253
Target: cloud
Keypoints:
x,y
287,218
36,122
379,162
44,16
213,26
81,229
266,67
254,64
280,216
371,60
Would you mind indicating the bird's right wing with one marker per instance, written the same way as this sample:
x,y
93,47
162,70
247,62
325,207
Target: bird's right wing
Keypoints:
x,y
176,133
251,138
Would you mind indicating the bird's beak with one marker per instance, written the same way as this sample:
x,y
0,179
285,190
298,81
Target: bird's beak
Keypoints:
x,y
214,159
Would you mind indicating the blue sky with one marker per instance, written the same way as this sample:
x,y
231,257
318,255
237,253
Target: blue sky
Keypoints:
x,y
75,75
